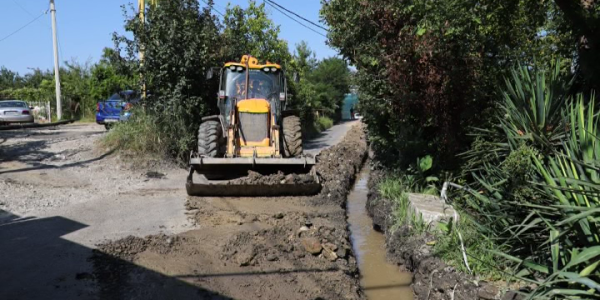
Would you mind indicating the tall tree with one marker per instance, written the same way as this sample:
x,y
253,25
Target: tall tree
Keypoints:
x,y
251,31
583,19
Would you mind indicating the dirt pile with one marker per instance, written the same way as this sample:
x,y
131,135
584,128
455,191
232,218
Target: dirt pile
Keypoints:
x,y
249,248
255,178
338,165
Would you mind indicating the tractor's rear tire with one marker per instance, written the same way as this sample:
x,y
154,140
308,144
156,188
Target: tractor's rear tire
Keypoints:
x,y
292,136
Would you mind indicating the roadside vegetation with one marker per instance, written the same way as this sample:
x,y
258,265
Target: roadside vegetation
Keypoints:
x,y
181,41
83,84
499,98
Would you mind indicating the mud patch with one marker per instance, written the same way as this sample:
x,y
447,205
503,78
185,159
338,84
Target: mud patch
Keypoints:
x,y
273,179
249,248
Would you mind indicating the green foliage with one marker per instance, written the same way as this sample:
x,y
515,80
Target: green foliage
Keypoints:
x,y
427,71
532,106
83,85
321,88
324,123
141,135
538,200
482,261
180,43
571,224
251,31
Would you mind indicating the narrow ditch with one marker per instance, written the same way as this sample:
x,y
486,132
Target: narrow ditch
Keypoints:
x,y
379,279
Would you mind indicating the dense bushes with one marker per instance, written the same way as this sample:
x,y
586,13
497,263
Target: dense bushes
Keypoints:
x,y
538,200
180,43
83,85
439,78
427,72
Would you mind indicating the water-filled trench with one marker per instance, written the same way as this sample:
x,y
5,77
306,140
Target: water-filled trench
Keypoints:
x,y
379,279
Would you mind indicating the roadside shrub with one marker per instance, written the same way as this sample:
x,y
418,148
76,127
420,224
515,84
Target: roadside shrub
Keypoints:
x,y
140,135
180,42
538,199
324,123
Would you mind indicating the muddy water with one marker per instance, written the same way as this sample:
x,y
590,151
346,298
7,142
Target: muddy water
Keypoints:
x,y
379,279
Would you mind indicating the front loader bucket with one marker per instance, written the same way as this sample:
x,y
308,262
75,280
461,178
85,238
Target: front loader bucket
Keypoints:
x,y
230,168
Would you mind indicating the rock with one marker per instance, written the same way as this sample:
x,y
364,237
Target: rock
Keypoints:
x,y
271,257
512,295
278,215
488,292
308,223
312,245
329,254
331,246
246,256
342,252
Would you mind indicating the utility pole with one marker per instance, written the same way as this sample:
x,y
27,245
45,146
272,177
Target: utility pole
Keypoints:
x,y
56,67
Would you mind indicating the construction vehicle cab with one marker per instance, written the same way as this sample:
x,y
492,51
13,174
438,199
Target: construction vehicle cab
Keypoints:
x,y
252,131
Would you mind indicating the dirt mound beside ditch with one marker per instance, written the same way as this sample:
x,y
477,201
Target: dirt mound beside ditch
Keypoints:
x,y
249,248
338,166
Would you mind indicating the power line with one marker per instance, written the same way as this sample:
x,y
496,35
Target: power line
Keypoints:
x,y
297,15
21,28
46,25
211,7
309,28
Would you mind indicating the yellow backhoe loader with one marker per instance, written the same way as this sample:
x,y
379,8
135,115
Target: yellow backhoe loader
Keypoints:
x,y
253,132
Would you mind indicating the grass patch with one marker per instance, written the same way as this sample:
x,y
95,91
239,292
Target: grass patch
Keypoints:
x,y
140,135
447,244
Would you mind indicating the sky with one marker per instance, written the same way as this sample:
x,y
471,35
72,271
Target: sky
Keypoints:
x,y
85,27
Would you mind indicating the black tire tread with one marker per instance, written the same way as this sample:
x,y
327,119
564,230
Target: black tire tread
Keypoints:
x,y
292,136
210,139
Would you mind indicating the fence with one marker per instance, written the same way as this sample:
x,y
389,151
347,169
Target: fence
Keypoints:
x,y
41,111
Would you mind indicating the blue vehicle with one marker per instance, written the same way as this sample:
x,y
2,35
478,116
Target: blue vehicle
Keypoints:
x,y
111,111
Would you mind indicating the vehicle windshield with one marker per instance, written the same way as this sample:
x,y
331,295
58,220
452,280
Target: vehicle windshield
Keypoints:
x,y
13,104
263,85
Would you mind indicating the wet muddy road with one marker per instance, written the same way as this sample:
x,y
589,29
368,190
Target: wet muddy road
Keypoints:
x,y
79,222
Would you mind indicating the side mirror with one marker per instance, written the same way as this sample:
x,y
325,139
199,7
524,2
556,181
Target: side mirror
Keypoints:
x,y
209,73
296,77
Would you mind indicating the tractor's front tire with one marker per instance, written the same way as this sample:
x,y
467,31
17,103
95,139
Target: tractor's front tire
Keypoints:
x,y
210,139
292,136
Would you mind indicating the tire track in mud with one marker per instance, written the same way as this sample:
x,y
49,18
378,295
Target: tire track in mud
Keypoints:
x,y
248,248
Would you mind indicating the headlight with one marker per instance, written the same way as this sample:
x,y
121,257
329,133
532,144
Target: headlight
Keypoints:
x,y
232,68
266,69
273,69
239,69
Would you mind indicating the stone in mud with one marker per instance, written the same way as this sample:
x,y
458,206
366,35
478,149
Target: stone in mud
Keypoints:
x,y
312,245
331,246
329,254
488,292
278,215
271,257
246,256
342,252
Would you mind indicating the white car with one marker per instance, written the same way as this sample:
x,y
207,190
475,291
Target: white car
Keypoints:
x,y
15,111
357,116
